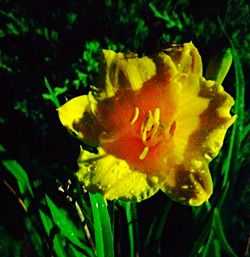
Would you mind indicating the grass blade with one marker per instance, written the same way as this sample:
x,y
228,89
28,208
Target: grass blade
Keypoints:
x,y
67,228
102,227
220,235
133,230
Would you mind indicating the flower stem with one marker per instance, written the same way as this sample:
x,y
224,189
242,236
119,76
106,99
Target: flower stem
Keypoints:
x,y
133,230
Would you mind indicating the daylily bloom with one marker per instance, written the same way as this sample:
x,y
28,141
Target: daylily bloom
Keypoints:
x,y
156,123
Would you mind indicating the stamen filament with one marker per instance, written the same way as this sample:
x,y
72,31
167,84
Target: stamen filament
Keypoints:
x,y
144,153
155,129
147,126
136,115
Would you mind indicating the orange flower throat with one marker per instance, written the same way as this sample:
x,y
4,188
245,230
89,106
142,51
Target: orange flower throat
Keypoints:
x,y
139,127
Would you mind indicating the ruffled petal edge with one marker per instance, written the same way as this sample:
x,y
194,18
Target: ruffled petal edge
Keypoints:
x,y
113,177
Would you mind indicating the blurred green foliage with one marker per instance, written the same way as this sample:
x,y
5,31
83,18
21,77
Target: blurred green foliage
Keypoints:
x,y
50,52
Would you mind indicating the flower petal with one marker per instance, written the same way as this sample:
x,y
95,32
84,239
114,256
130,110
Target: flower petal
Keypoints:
x,y
123,71
113,177
78,116
191,185
213,118
187,116
186,58
201,125
214,121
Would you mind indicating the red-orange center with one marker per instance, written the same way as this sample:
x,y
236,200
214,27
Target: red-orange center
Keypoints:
x,y
138,126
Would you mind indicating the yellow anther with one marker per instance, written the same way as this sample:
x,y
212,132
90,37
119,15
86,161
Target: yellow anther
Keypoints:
x,y
144,153
156,115
136,115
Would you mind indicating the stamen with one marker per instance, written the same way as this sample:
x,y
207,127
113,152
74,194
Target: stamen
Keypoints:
x,y
147,126
156,115
136,115
150,127
149,121
144,153
144,135
155,129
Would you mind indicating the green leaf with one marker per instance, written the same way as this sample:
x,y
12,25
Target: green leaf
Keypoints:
x,y
35,237
208,245
66,226
17,172
217,248
172,21
220,234
52,95
76,253
102,227
60,90
49,225
219,66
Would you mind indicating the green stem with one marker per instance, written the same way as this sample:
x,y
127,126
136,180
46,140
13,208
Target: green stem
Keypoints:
x,y
133,230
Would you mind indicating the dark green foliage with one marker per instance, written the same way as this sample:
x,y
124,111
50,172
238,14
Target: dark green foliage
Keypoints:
x,y
50,52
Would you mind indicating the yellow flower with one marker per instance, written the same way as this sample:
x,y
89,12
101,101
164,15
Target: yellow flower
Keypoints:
x,y
156,123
